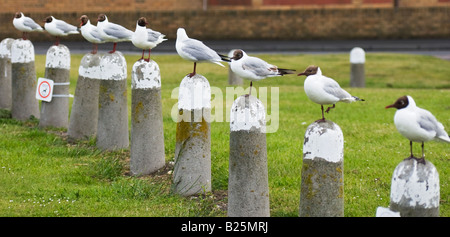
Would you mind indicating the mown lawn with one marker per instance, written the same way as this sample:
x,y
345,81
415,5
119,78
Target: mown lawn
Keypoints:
x,y
41,174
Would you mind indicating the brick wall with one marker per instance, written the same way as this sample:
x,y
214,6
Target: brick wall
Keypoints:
x,y
371,23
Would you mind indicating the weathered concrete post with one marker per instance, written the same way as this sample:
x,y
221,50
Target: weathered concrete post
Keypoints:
x,y
112,127
415,190
5,74
84,114
322,185
248,183
357,71
57,68
147,153
192,170
233,79
24,102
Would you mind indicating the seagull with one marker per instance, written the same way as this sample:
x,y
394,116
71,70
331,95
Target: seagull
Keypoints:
x,y
25,24
417,124
195,51
59,28
324,90
146,38
90,33
112,32
253,68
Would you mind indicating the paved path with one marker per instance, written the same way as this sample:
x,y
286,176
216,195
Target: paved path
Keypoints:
x,y
436,47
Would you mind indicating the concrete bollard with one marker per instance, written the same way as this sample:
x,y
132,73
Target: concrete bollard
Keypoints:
x,y
24,103
112,126
5,74
415,189
322,185
357,71
233,79
57,68
84,114
248,183
192,169
147,153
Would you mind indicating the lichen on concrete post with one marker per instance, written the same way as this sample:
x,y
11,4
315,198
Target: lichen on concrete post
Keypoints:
x,y
147,153
322,185
5,74
248,183
112,126
415,190
57,68
192,169
84,114
24,103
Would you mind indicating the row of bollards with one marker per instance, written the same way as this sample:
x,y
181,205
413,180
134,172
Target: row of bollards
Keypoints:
x,y
100,110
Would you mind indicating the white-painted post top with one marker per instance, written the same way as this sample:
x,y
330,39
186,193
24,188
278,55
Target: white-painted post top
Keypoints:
x,y
416,183
113,66
357,55
324,140
145,75
90,66
22,51
194,93
58,56
5,48
248,114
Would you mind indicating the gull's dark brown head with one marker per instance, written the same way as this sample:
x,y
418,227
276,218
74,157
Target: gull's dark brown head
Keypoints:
x,y
84,20
18,15
310,70
101,17
142,21
238,54
400,103
48,19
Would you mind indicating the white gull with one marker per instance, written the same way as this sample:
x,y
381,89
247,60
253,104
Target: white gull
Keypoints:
x,y
59,28
25,24
324,90
112,32
417,124
90,33
144,38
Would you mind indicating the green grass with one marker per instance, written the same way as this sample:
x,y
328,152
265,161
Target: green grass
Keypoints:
x,y
44,175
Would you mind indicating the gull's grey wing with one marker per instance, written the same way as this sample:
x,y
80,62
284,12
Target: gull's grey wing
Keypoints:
x,y
65,27
427,121
118,31
28,22
259,67
153,35
333,88
198,51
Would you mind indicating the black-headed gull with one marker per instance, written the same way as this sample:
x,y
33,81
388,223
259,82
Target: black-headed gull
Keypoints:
x,y
195,51
324,90
90,33
417,124
112,32
59,28
253,68
144,38
25,24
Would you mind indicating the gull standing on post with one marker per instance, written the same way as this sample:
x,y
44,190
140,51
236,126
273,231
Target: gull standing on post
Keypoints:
x,y
90,33
112,32
253,68
146,38
195,51
324,90
25,24
59,28
417,124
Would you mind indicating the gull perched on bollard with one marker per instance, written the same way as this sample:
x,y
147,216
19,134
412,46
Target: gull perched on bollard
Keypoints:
x,y
144,38
112,32
253,68
90,33
417,124
59,28
324,90
195,51
25,24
